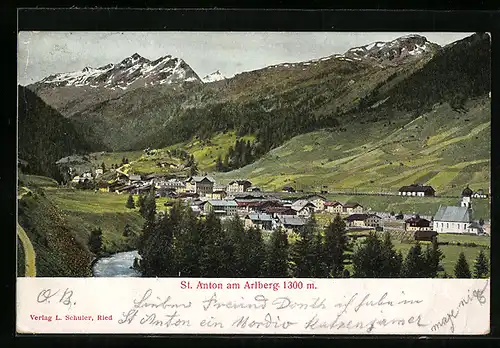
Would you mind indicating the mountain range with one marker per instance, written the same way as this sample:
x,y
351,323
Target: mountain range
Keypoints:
x,y
139,103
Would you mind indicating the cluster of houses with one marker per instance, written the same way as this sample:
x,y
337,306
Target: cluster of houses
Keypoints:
x,y
240,197
268,211
448,219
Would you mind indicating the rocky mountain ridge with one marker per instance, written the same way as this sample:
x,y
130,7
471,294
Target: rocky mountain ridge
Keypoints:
x,y
133,71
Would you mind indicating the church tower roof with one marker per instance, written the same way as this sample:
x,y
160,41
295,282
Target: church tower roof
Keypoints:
x,y
467,192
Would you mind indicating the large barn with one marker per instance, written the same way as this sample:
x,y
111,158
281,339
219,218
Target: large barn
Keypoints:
x,y
417,190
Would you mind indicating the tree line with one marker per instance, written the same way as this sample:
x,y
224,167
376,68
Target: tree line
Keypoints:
x,y
239,155
178,243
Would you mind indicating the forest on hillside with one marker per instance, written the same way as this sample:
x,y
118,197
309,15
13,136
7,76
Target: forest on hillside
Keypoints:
x,y
45,136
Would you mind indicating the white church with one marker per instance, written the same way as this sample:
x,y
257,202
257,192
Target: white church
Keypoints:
x,y
454,219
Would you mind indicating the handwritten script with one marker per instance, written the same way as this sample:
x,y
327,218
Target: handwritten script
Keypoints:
x,y
269,312
320,306
60,296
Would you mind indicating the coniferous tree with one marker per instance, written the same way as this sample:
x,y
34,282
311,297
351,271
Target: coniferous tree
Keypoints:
x,y
319,256
433,257
335,247
95,240
216,252
225,163
230,156
149,206
156,249
481,266
127,231
148,212
187,240
257,252
241,251
249,152
414,263
277,255
130,202
392,261
193,170
140,204
103,167
218,164
302,251
368,258
462,267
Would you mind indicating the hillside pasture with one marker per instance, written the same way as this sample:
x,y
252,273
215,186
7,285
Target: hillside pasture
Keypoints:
x,y
87,210
442,148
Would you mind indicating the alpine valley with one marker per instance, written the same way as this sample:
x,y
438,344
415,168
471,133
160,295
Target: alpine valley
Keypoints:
x,y
409,107
372,119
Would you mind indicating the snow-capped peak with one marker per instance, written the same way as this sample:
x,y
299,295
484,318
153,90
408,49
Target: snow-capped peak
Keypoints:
x,y
215,76
404,46
135,70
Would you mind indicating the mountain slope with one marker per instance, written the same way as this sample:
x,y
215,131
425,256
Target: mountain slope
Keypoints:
x,y
73,92
394,51
386,82
59,252
443,148
275,103
44,136
213,77
132,71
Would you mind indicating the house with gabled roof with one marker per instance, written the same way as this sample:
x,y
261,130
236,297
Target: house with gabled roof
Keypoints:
x,y
303,207
202,185
363,220
221,207
275,211
290,222
416,223
239,186
334,207
262,221
352,208
318,200
417,190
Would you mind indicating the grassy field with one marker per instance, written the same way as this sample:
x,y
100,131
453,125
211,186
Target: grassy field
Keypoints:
x,y
442,148
89,209
110,158
204,152
37,180
450,251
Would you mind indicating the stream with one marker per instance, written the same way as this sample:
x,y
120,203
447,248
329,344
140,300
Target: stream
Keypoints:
x,y
116,265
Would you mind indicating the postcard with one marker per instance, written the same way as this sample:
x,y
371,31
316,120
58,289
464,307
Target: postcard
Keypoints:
x,y
301,183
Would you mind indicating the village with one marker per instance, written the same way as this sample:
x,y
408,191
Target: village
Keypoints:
x,y
290,209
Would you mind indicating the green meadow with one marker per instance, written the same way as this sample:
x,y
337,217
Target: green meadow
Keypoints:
x,y
450,251
204,152
442,148
86,210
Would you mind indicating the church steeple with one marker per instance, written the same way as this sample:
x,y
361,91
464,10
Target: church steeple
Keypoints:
x,y
466,198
